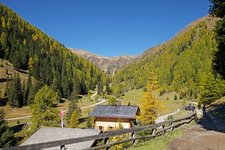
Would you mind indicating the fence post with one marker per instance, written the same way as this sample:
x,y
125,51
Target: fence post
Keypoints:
x,y
171,125
154,131
133,136
106,141
163,128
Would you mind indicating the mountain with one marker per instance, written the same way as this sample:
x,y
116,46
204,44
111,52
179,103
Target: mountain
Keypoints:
x,y
181,63
109,65
47,60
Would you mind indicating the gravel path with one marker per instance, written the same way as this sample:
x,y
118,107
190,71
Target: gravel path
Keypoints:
x,y
84,107
208,134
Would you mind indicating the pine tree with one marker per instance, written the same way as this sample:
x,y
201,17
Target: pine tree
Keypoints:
x,y
24,90
150,106
15,95
29,89
6,134
56,82
218,9
73,107
33,89
175,97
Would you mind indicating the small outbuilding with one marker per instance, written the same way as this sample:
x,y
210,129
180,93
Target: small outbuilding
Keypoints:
x,y
47,134
108,117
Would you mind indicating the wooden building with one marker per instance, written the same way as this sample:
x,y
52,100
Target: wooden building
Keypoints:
x,y
108,117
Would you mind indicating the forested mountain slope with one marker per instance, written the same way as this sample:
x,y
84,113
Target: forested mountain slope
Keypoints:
x,y
26,47
181,63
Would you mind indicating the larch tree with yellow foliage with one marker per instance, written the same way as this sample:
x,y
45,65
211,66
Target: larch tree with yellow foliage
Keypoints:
x,y
150,106
74,120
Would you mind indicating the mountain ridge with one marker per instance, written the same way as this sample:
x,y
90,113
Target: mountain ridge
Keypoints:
x,y
109,65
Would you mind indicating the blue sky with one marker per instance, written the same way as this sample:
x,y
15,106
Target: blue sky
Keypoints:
x,y
110,27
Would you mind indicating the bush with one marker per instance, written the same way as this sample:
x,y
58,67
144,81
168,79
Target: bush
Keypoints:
x,y
182,95
112,100
170,117
175,97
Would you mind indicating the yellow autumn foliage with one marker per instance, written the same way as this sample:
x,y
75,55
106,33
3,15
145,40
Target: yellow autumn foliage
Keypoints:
x,y
74,120
150,106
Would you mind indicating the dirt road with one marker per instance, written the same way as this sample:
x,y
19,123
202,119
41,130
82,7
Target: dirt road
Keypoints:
x,y
208,134
84,107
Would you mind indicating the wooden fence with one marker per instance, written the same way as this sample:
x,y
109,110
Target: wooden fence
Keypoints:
x,y
154,130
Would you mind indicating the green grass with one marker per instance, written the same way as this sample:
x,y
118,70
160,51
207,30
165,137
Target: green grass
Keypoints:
x,y
166,96
158,143
16,112
169,105
133,96
20,121
162,142
85,101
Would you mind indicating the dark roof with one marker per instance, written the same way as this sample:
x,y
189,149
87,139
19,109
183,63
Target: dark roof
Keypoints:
x,y
47,134
122,111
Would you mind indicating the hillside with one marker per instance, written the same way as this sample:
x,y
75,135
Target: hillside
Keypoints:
x,y
7,71
108,64
48,61
180,63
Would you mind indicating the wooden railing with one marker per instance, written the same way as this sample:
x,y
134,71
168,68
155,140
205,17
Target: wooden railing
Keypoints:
x,y
156,130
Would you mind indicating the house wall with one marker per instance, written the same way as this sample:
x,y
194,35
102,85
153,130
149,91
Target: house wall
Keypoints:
x,y
107,124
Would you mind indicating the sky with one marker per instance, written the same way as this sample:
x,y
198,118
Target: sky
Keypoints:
x,y
110,27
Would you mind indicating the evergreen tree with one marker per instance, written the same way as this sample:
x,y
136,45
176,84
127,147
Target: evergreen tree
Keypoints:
x,y
29,89
89,122
6,134
7,87
175,97
73,107
218,9
33,89
15,95
100,88
112,101
74,95
24,90
17,61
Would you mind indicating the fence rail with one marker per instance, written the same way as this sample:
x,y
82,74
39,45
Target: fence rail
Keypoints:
x,y
157,129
